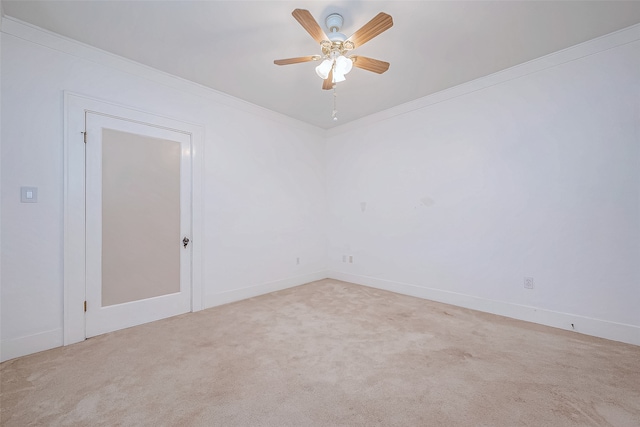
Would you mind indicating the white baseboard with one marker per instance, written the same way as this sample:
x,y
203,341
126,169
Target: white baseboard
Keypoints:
x,y
12,348
629,334
213,300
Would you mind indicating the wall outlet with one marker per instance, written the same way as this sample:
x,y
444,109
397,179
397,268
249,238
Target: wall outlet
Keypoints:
x,y
350,259
298,261
528,282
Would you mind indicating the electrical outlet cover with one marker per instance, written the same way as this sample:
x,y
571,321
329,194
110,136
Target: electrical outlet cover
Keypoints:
x,y
528,282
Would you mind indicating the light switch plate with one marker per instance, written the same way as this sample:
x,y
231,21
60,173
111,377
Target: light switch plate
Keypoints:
x,y
29,194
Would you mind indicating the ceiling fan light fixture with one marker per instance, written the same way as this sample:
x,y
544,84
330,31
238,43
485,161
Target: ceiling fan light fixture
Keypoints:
x,y
324,68
343,65
338,77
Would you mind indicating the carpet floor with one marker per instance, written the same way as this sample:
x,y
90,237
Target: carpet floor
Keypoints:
x,y
328,353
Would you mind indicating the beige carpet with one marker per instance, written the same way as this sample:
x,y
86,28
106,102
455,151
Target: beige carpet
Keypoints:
x,y
328,354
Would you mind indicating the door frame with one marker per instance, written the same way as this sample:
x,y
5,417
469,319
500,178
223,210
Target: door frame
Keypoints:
x,y
75,107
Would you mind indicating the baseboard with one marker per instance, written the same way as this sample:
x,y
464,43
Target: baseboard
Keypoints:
x,y
12,348
629,334
213,300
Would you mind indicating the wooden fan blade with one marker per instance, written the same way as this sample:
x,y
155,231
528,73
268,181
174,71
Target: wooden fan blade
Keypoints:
x,y
296,60
327,84
307,21
379,24
370,64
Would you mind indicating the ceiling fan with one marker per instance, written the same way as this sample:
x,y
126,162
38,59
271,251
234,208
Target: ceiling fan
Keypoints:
x,y
335,46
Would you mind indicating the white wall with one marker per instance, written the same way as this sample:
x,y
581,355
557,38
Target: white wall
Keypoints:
x,y
523,173
535,175
1,196
263,183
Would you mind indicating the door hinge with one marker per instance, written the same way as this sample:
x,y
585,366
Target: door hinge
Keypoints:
x,y
84,136
85,306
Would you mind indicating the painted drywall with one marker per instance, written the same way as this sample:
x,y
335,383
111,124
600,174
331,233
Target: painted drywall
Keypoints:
x,y
1,196
535,176
263,186
455,198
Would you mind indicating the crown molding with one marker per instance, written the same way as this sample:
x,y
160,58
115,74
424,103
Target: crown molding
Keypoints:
x,y
582,50
40,36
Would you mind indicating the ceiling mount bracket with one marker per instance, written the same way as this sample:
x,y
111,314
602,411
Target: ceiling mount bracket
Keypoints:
x,y
334,22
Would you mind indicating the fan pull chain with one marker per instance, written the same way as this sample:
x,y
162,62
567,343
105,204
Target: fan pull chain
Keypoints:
x,y
334,114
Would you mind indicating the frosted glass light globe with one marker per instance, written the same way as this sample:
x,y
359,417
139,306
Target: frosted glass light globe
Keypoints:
x,y
343,65
324,68
338,77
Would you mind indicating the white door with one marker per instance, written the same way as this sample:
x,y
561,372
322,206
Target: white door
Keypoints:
x,y
138,222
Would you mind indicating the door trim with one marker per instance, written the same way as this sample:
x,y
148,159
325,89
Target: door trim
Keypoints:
x,y
75,106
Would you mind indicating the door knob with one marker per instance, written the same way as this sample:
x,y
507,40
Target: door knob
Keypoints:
x,y
185,241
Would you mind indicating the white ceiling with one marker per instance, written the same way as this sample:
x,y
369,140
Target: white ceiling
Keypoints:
x,y
230,45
